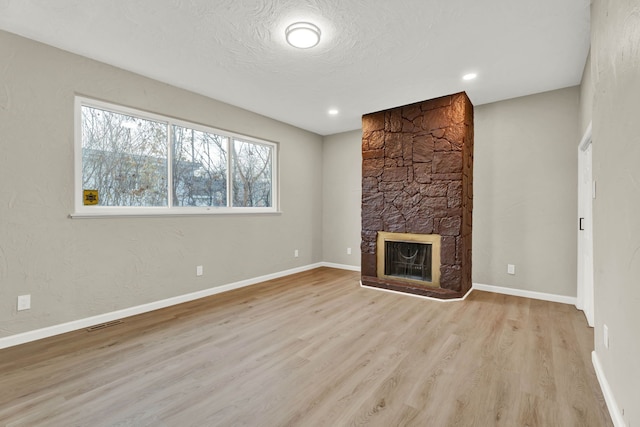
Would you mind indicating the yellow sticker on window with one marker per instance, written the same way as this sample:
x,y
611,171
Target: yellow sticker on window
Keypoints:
x,y
90,197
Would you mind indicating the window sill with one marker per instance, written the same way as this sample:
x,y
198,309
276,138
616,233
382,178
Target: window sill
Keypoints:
x,y
151,213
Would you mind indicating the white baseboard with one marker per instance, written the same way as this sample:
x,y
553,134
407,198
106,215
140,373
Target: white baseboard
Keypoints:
x,y
62,328
341,266
527,294
614,410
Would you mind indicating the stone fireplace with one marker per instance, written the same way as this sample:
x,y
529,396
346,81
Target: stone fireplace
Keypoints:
x,y
417,173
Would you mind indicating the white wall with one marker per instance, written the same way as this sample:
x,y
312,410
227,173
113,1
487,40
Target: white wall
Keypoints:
x,y
525,192
615,71
586,97
342,194
76,268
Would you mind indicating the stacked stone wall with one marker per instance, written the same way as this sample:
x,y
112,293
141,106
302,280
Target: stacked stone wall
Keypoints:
x,y
417,177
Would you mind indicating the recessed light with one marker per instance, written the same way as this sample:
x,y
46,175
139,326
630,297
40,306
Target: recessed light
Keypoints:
x,y
469,76
302,35
333,112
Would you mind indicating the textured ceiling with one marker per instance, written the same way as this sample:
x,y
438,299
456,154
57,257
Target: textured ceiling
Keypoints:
x,y
374,54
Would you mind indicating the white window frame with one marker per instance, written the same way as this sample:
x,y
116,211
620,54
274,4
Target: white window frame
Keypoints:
x,y
82,211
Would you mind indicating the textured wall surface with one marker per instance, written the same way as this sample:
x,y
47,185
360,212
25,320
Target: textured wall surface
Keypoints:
x,y
417,175
76,268
525,192
615,66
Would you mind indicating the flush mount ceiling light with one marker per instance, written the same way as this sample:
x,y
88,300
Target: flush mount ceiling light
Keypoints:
x,y
469,76
333,112
302,35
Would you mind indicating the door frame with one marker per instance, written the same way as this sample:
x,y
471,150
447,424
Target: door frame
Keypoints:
x,y
586,194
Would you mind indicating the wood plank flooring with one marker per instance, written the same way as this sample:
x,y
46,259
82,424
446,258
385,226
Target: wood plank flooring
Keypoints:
x,y
314,349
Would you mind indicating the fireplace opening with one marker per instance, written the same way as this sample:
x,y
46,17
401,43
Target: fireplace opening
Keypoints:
x,y
408,260
408,257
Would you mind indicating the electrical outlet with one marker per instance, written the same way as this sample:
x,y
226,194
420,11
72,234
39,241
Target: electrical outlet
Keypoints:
x,y
295,253
199,270
348,251
24,302
511,269
605,336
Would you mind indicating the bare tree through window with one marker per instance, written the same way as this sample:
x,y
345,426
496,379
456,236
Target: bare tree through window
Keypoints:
x,y
124,158
199,168
252,174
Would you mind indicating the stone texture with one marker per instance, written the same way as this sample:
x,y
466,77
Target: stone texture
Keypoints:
x,y
393,145
443,101
387,187
418,178
392,163
369,185
372,167
376,140
422,173
436,206
411,112
450,226
373,202
393,120
438,189
454,194
448,250
447,162
451,277
423,148
372,122
393,220
412,189
445,176
394,174
368,265
438,118
372,222
420,224
407,126
442,145
373,154
438,133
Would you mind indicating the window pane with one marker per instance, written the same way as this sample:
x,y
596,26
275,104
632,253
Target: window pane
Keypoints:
x,y
199,168
252,174
124,158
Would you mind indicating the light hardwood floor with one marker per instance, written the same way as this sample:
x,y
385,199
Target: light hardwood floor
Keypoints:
x,y
314,349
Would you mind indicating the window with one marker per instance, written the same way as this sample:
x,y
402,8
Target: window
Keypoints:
x,y
130,162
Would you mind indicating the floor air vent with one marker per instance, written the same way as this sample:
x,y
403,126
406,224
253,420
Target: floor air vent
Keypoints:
x,y
103,325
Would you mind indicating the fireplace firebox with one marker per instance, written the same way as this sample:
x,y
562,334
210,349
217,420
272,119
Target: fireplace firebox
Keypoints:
x,y
407,260
408,257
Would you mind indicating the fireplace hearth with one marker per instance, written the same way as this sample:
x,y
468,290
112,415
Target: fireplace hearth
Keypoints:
x,y
417,177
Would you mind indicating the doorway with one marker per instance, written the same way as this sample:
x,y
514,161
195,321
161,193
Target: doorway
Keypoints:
x,y
586,194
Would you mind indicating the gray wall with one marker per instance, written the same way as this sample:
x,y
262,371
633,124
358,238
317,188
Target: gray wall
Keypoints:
x,y
615,70
75,268
525,192
342,193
